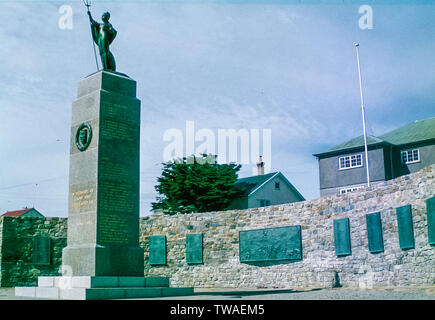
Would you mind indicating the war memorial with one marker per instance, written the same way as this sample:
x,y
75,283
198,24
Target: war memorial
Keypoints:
x,y
383,236
103,258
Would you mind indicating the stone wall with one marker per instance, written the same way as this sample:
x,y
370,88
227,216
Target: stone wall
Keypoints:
x,y
16,236
221,266
320,266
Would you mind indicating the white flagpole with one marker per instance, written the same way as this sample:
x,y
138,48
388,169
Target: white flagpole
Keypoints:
x,y
363,115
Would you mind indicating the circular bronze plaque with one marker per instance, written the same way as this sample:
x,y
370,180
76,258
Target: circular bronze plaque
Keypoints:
x,y
83,136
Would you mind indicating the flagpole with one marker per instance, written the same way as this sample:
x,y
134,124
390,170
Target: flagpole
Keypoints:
x,y
363,115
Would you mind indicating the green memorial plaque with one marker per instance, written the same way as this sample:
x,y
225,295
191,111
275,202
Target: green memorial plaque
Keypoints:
x,y
157,250
405,226
430,207
374,232
342,237
194,248
270,245
41,250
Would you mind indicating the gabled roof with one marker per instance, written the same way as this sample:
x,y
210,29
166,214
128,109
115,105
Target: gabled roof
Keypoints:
x,y
355,143
250,185
16,213
418,131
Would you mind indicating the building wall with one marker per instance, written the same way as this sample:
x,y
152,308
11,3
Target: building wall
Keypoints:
x,y
331,177
239,203
320,265
32,213
389,162
285,194
427,157
334,191
384,165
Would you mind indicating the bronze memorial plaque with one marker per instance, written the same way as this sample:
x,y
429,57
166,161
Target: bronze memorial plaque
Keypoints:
x,y
271,245
41,250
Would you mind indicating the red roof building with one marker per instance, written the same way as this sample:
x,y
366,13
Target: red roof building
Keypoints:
x,y
27,212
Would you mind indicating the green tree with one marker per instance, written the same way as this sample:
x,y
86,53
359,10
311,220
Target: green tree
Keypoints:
x,y
196,184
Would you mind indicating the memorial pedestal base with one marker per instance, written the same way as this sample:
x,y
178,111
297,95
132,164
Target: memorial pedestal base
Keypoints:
x,y
100,288
95,260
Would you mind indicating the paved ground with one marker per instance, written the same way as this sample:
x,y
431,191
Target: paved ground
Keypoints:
x,y
420,293
414,293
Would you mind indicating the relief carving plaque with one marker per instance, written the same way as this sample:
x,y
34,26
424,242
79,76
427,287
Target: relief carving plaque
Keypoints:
x,y
270,245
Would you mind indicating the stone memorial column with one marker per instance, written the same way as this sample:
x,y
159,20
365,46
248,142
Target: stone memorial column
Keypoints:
x,y
103,259
103,218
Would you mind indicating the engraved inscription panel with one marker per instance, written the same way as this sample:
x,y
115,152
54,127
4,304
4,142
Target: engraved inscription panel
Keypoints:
x,y
405,227
114,228
41,250
82,197
275,244
118,175
342,237
157,250
194,248
374,232
117,197
430,209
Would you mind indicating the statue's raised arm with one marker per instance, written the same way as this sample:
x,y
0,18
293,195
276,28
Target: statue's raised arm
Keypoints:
x,y
95,28
92,21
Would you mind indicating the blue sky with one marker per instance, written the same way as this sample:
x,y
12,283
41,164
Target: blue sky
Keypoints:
x,y
280,66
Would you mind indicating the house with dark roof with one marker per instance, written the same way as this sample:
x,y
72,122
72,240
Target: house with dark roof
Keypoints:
x,y
405,150
27,212
265,190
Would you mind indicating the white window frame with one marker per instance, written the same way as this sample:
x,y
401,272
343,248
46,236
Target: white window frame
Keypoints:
x,y
350,161
407,152
350,189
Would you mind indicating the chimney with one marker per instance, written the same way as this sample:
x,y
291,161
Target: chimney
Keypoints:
x,y
260,167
